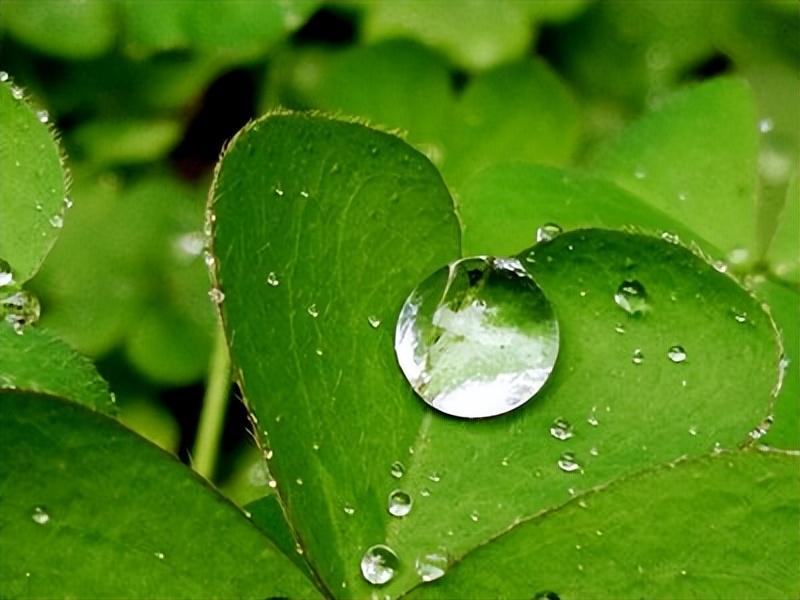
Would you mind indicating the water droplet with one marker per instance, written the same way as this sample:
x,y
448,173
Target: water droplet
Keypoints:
x,y
619,328
16,92
435,477
676,354
43,116
6,274
682,196
672,238
379,564
39,206
159,555
546,595
217,295
739,317
592,420
692,430
593,451
348,509
399,503
599,533
319,352
304,193
424,492
720,266
278,191
631,297
477,338
313,311
272,483
475,516
504,462
640,173
548,231
68,203
567,463
397,469
638,356
374,321
57,221
299,549
40,515
272,279
3,76
209,260
20,309
561,429
431,566
765,125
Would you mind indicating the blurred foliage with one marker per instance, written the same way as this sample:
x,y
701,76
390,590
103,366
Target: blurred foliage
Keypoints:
x,y
145,94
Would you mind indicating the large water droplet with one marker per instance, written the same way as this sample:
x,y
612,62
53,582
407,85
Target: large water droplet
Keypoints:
x,y
676,354
20,309
431,566
631,297
40,515
399,503
547,232
567,463
477,338
561,429
379,564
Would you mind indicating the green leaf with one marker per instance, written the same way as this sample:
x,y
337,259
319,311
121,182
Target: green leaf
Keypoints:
x,y
267,514
784,304
330,208
91,509
34,185
395,83
722,526
354,248
694,158
38,362
502,206
115,140
469,36
519,111
71,30
784,252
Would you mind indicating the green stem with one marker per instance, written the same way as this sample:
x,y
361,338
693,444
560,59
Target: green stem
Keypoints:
x,y
212,415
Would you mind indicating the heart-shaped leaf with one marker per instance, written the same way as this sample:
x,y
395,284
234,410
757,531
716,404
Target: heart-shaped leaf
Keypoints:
x,y
323,228
89,509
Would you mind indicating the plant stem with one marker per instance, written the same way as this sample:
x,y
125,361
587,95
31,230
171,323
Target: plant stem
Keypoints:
x,y
215,403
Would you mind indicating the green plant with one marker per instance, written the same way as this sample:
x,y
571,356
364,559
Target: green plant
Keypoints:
x,y
660,458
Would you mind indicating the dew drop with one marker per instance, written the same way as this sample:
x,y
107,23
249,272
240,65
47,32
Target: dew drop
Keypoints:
x,y
43,116
692,430
619,328
159,555
431,566
379,564
631,297
57,221
474,516
20,309
546,595
397,469
561,429
6,274
278,191
217,295
567,463
676,354
638,356
304,194
477,338
16,92
272,483
425,492
593,451
399,504
349,510
765,125
739,317
313,311
672,238
3,76
272,279
435,477
720,266
298,481
209,260
592,420
547,232
40,515
68,203
373,321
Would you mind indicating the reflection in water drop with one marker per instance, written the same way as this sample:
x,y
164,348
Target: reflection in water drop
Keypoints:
x,y
399,503
431,566
379,564
477,338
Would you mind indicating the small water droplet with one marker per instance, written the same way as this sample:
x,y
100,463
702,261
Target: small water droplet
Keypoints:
x,y
765,125
40,515
547,232
561,429
68,203
631,297
6,274
720,266
592,420
315,447
209,260
348,509
304,193
599,533
692,430
593,451
3,76
319,352
435,477
672,238
739,317
17,93
638,356
379,564
298,481
43,116
399,504
191,245
431,566
477,338
373,321
272,483
424,492
676,354
504,462
546,595
278,191
20,309
474,516
397,469
682,196
159,555
217,295
272,279
619,328
567,463
313,311
57,221
334,168
373,150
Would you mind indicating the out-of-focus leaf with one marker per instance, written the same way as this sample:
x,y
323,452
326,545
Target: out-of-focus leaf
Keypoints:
x,y
111,141
150,419
267,514
784,251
